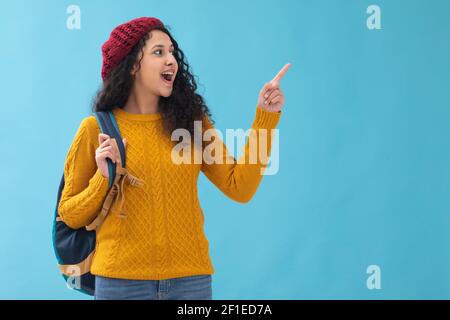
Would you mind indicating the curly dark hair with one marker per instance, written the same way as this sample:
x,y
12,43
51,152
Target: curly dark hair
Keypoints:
x,y
179,110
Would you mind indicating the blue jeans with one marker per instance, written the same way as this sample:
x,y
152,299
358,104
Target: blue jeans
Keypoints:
x,y
185,288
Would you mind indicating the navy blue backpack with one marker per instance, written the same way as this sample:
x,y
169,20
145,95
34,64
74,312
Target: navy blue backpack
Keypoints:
x,y
74,248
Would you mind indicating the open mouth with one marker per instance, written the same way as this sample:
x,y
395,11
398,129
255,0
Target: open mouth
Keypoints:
x,y
168,77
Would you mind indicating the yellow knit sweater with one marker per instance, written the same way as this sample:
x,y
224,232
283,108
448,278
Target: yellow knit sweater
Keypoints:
x,y
162,235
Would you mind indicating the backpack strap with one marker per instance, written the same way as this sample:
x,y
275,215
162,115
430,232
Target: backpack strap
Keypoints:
x,y
108,125
117,172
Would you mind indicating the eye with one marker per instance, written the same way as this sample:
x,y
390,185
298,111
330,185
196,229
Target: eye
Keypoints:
x,y
159,50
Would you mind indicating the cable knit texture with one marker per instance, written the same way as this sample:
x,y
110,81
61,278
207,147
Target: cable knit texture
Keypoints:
x,y
162,235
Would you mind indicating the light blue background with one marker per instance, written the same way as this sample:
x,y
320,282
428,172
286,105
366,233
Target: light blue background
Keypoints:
x,y
364,140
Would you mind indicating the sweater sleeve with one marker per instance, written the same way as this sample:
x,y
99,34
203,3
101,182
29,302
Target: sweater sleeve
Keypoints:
x,y
240,179
84,185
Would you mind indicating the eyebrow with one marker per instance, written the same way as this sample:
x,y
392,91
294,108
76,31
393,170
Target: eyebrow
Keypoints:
x,y
160,46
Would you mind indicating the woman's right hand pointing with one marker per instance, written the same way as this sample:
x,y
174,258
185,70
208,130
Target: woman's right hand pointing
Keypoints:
x,y
271,98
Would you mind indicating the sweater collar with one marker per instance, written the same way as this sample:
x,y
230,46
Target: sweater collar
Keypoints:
x,y
120,113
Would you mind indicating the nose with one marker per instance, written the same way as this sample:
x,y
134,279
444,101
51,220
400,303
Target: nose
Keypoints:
x,y
171,61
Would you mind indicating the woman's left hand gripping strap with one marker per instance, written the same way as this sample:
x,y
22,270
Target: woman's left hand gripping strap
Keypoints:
x,y
116,195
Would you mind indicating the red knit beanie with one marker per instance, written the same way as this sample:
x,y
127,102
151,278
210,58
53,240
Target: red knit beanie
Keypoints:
x,y
122,39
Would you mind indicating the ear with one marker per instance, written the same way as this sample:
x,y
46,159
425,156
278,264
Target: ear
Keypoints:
x,y
136,65
134,70
124,140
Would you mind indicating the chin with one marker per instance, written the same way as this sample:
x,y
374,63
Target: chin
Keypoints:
x,y
166,93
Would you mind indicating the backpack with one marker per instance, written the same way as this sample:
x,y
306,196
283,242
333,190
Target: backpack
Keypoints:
x,y
74,248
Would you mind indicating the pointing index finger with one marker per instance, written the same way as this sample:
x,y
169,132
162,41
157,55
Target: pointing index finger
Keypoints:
x,y
280,74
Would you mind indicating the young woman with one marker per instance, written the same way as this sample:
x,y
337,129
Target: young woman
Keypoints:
x,y
154,245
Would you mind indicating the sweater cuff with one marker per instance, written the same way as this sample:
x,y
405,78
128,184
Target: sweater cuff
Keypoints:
x,y
266,119
99,182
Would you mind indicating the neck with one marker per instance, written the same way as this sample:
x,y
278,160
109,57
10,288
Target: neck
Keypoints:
x,y
141,102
